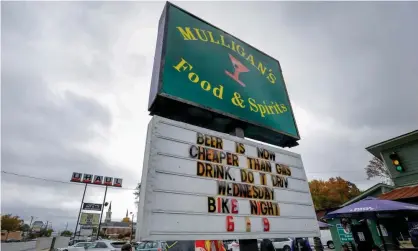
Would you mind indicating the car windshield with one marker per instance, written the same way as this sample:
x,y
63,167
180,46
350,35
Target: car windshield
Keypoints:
x,y
80,244
141,245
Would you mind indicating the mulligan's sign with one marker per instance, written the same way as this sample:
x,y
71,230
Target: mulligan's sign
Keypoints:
x,y
205,76
96,179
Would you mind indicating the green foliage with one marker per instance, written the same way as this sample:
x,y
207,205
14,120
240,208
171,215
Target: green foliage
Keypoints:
x,y
45,232
67,233
137,191
332,193
103,235
11,223
25,228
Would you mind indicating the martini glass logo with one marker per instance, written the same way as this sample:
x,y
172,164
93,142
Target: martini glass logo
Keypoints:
x,y
239,67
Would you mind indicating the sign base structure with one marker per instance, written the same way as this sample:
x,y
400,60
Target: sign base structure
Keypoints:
x,y
199,184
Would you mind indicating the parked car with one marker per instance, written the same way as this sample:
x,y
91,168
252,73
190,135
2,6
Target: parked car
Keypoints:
x,y
79,246
106,245
151,246
12,240
326,239
284,244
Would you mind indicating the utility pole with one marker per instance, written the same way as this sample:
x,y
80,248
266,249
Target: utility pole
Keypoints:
x,y
250,244
31,219
101,214
66,226
46,228
132,227
79,212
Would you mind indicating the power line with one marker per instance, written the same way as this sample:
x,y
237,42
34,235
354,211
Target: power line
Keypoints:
x,y
132,189
56,181
338,171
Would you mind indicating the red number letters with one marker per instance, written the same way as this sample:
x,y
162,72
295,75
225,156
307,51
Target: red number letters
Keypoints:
x,y
230,223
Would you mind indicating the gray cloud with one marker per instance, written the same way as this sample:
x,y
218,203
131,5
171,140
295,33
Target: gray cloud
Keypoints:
x,y
366,61
42,130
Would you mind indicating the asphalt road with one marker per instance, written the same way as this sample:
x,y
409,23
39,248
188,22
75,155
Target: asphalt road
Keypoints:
x,y
19,246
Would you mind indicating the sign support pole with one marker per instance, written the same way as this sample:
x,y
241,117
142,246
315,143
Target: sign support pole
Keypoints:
x,y
251,244
79,212
100,222
382,238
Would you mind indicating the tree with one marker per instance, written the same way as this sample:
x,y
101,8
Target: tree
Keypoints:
x,y
376,168
137,192
67,233
45,232
11,223
24,228
103,235
332,193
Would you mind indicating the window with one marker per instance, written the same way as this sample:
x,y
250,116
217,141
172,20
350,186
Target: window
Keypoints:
x,y
100,245
117,244
80,244
280,239
141,245
151,245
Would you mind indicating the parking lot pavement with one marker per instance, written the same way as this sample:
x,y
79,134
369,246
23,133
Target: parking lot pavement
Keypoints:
x,y
19,246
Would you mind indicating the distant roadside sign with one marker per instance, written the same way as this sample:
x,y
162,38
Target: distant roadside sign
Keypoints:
x,y
92,206
199,184
96,179
86,231
89,219
344,234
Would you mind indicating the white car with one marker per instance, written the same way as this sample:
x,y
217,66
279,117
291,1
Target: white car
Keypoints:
x,y
79,246
106,245
284,244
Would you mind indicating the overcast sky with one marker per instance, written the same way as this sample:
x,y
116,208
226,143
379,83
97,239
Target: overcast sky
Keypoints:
x,y
76,76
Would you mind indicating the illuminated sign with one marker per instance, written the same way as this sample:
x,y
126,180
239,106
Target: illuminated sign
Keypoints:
x,y
89,219
197,182
96,179
198,65
92,206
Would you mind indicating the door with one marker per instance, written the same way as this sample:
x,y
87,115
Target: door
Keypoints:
x,y
362,236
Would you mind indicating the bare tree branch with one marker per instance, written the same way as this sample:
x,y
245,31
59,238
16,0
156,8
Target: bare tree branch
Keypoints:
x,y
376,168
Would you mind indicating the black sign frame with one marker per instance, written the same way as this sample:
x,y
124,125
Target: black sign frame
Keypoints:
x,y
92,206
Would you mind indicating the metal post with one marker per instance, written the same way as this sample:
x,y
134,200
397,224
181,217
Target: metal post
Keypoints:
x,y
380,232
79,212
31,219
132,227
30,228
100,222
250,244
